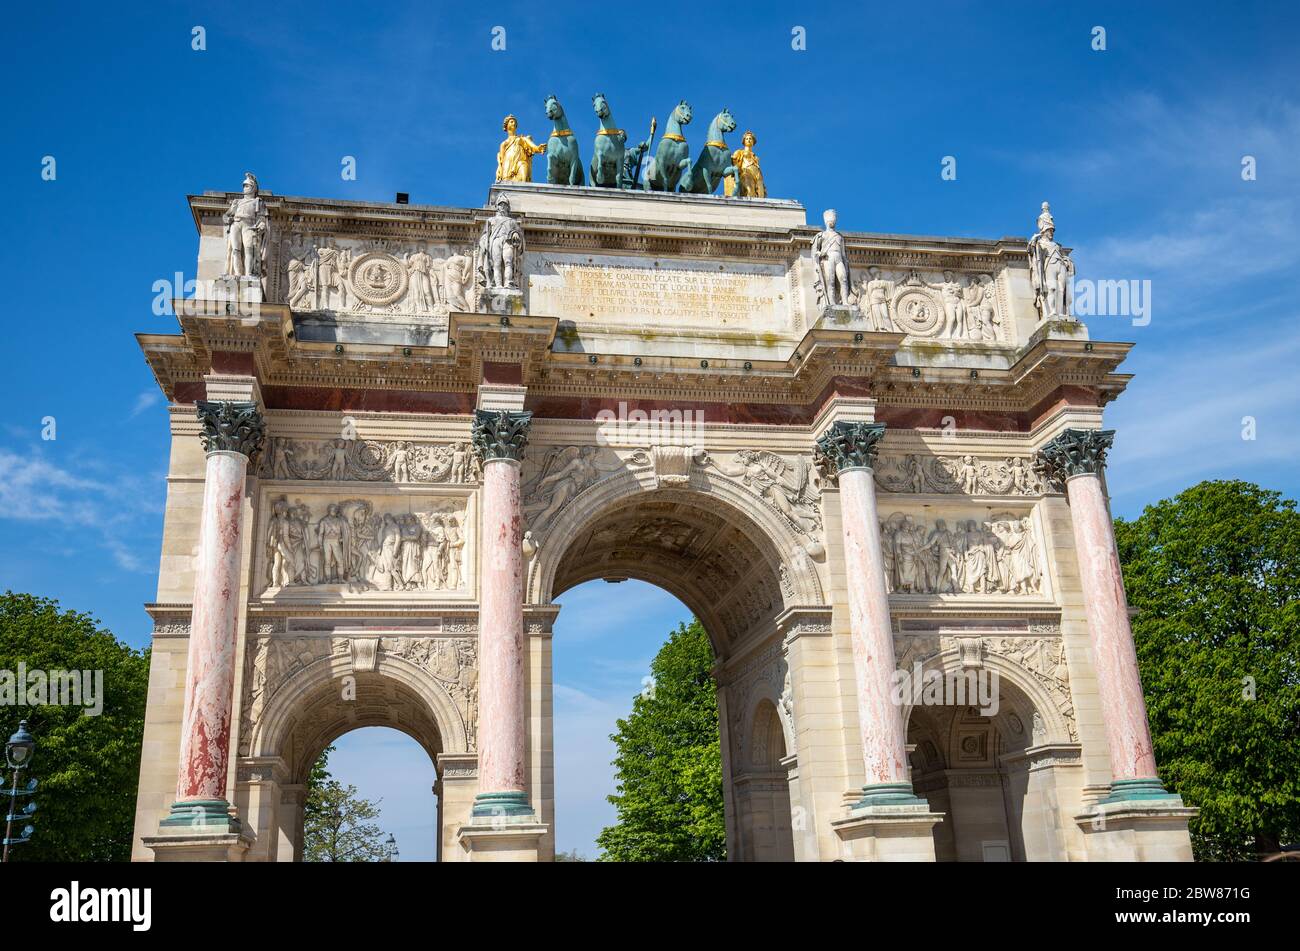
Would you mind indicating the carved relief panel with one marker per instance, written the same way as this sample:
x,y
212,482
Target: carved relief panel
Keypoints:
x,y
319,544
921,474
376,277
992,553
935,305
369,460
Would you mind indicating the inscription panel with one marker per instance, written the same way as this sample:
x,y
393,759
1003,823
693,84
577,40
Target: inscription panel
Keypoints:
x,y
669,294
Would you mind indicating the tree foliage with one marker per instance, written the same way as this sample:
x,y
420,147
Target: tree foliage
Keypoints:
x,y
338,824
1214,574
669,762
87,767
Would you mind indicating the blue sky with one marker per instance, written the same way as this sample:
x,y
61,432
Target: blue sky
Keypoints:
x,y
1138,147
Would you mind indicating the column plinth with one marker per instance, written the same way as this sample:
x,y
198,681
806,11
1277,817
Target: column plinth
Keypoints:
x,y
232,434
1077,457
851,449
500,438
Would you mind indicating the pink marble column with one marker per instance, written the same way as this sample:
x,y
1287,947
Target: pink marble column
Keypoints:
x,y
1077,457
851,448
880,720
232,432
500,437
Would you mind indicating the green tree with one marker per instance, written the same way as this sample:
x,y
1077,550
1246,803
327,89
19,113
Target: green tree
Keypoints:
x,y
669,762
88,767
337,823
1214,574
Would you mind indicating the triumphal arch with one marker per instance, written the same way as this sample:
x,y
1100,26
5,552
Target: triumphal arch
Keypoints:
x,y
871,464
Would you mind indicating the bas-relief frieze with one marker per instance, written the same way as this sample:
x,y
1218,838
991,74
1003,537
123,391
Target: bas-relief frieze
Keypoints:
x,y
377,277
368,460
963,475
934,305
351,544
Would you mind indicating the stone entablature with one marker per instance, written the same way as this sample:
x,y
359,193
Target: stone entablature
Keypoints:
x,y
358,272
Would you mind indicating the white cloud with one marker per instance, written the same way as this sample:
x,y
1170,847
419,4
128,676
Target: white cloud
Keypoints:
x,y
112,506
144,401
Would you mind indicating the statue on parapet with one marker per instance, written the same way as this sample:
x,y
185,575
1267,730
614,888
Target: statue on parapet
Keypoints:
x,y
748,180
500,249
673,158
563,165
248,226
515,156
832,279
1051,271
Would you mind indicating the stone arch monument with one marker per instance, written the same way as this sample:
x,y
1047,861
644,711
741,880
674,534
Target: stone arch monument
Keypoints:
x,y
871,464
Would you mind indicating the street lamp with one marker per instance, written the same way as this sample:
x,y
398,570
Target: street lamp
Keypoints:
x,y
18,754
390,849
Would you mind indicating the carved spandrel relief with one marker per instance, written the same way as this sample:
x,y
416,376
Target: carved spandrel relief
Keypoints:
x,y
367,460
988,556
453,662
268,663
942,306
556,475
789,484
963,475
366,545
1041,658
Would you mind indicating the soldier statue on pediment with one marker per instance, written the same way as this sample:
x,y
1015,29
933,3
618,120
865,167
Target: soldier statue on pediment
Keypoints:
x,y
248,225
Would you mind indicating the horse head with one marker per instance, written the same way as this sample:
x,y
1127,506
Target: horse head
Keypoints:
x,y
725,121
683,112
601,105
553,108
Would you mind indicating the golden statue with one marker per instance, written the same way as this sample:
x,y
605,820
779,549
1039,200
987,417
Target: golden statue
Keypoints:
x,y
515,157
746,163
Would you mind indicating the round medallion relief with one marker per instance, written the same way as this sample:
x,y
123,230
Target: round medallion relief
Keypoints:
x,y
916,312
378,278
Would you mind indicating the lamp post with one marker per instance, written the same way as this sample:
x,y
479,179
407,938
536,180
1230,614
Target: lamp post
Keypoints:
x,y
18,754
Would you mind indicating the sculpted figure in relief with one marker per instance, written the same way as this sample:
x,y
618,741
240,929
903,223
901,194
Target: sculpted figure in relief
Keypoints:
x,y
459,277
789,486
877,291
563,474
424,282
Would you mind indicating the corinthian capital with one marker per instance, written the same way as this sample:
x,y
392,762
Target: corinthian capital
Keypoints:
x,y
1075,452
849,445
500,434
231,427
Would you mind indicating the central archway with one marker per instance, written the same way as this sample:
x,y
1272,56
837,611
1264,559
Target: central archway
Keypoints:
x,y
733,562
